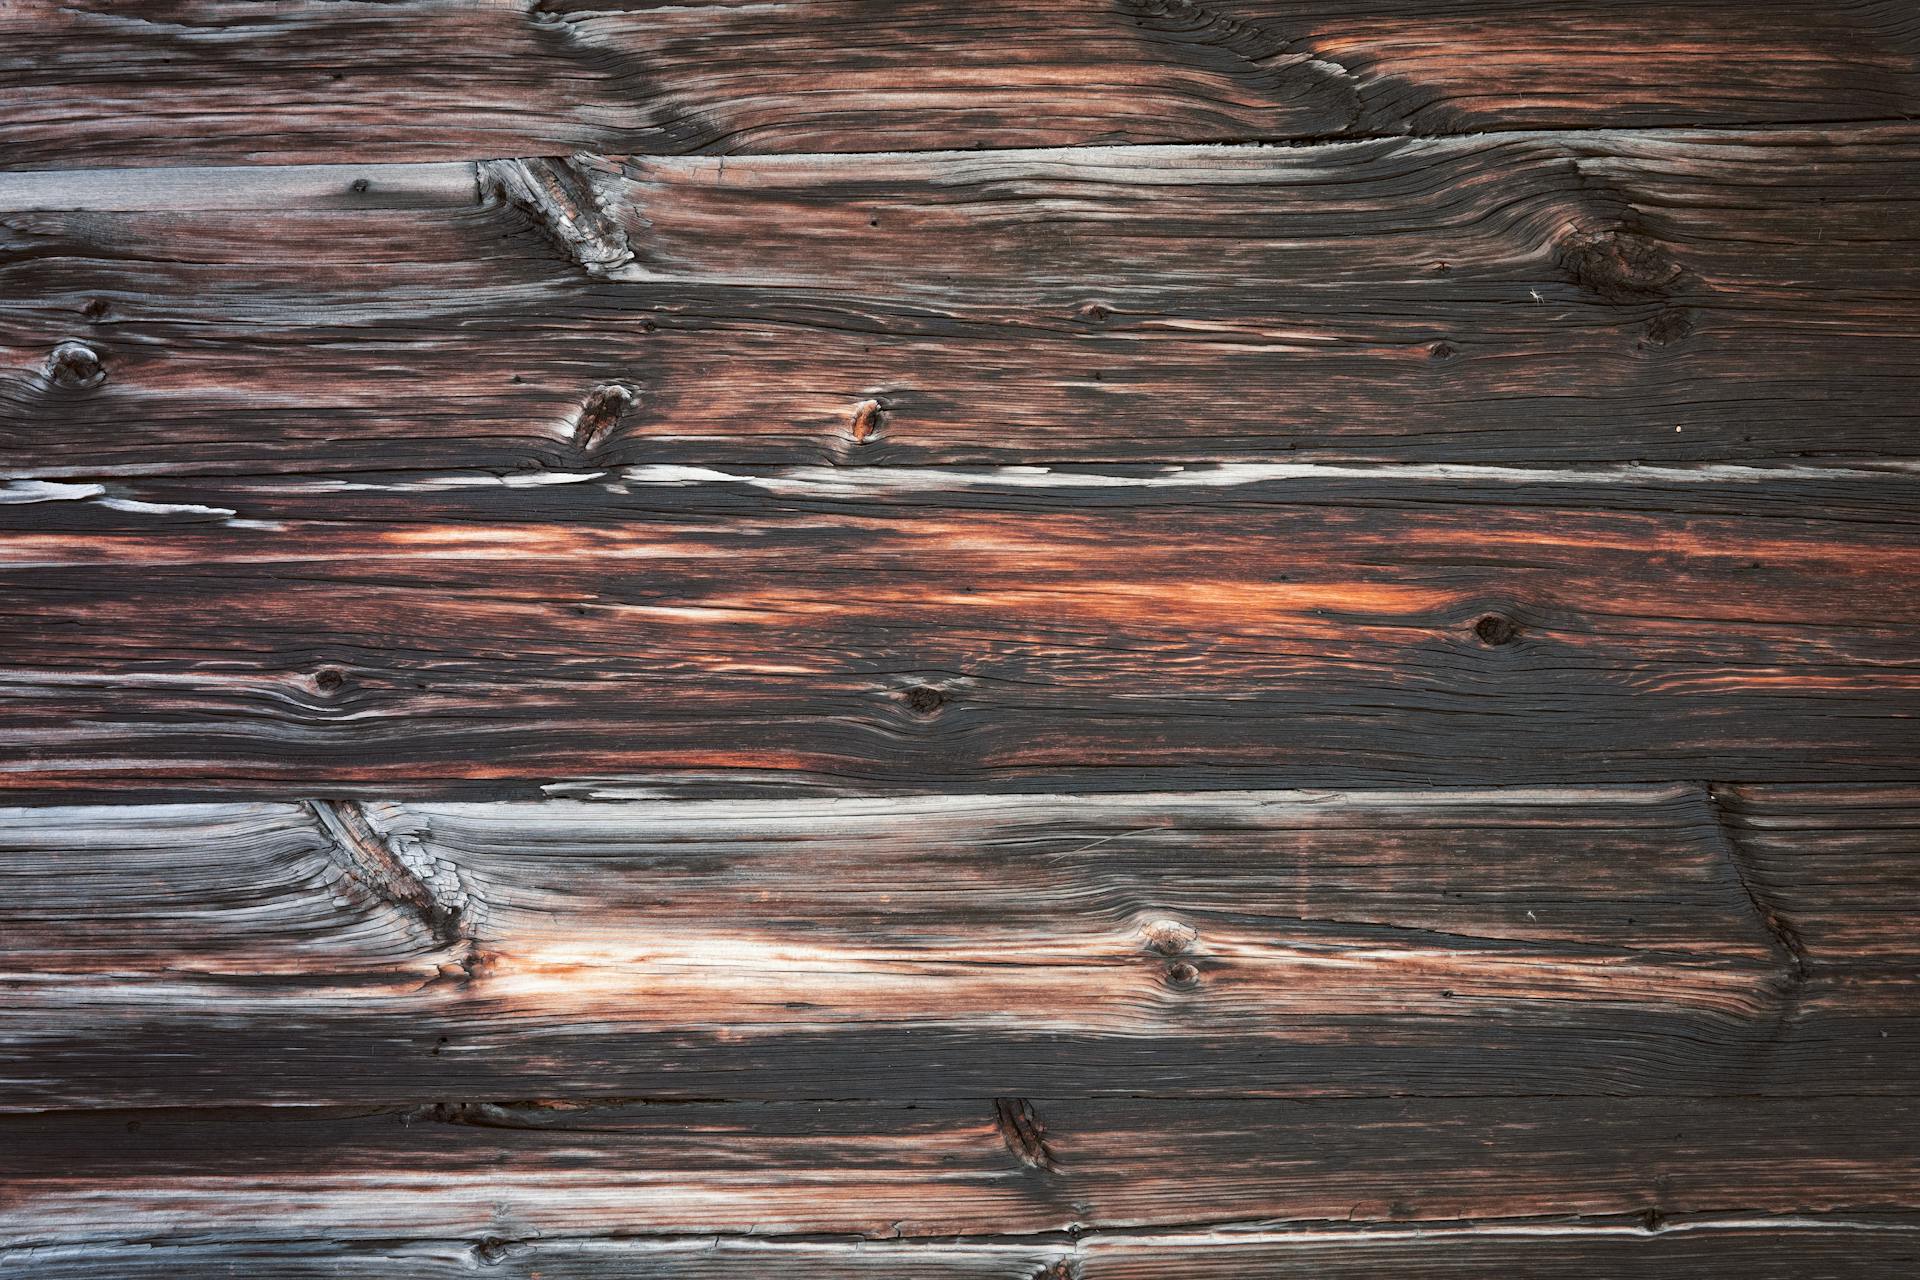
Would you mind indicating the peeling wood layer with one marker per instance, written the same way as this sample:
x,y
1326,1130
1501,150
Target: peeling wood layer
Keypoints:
x,y
193,81
1002,947
1519,299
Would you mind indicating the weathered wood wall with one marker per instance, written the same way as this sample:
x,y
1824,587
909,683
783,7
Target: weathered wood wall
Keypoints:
x,y
1087,639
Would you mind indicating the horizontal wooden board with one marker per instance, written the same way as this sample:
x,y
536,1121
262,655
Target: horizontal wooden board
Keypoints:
x,y
195,80
1514,298
504,1174
422,638
1609,940
1835,1249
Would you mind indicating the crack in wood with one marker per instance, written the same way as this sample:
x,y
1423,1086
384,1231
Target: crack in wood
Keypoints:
x,y
1269,55
1786,939
559,196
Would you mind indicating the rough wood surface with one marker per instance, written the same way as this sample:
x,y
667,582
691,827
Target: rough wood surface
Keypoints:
x,y
200,81
1509,299
1623,939
1053,641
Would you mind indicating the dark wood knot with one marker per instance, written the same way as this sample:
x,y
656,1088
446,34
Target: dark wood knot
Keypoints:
x,y
925,700
1442,351
329,679
1497,629
75,366
1670,326
1620,266
1182,975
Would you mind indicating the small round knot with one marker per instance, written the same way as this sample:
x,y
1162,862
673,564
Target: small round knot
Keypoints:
x,y
75,366
1182,975
1442,351
1169,937
329,679
360,186
1496,629
924,700
96,309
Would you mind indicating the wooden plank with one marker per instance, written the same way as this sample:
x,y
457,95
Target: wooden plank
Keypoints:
x,y
428,637
1515,298
938,1171
1610,940
189,81
1690,1250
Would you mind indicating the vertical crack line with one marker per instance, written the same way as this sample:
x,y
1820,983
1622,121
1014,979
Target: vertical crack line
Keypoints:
x,y
403,874
1025,1136
559,196
1786,939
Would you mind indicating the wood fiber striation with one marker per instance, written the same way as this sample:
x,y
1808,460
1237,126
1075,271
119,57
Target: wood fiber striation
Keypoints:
x,y
1064,640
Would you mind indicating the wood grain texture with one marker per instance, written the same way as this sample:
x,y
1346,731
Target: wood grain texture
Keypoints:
x,y
429,639
1612,940
1517,298
197,81
1082,640
941,1170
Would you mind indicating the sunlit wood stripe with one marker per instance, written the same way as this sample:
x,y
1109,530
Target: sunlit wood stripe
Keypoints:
x,y
1606,940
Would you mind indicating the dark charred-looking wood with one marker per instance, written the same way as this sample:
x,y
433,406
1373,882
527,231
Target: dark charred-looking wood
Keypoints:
x,y
1007,948
1316,626
199,82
